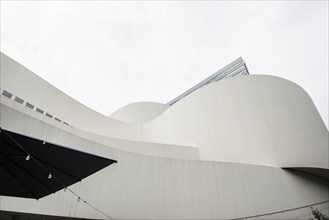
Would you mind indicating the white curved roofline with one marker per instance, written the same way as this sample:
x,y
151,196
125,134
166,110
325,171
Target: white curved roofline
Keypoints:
x,y
139,112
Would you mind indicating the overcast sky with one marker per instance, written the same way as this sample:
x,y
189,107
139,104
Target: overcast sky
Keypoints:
x,y
108,54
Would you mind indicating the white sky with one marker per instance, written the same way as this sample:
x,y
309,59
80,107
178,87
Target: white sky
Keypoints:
x,y
108,54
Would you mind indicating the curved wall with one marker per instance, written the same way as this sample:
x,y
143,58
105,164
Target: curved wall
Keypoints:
x,y
139,112
216,153
147,187
253,119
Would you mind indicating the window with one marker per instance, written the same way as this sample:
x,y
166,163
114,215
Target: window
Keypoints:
x,y
7,94
19,100
39,110
29,105
49,115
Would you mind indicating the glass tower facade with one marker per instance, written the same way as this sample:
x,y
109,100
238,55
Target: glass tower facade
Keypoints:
x,y
236,68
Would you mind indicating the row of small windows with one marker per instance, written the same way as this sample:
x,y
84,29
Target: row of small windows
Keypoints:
x,y
29,105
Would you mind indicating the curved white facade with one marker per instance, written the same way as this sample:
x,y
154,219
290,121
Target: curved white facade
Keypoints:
x,y
216,153
139,112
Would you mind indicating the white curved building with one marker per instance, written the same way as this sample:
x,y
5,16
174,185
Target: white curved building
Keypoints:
x,y
249,146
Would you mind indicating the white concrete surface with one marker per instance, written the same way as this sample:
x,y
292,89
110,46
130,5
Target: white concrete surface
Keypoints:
x,y
215,154
139,112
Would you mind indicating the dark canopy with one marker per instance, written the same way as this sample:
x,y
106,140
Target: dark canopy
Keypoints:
x,y
28,176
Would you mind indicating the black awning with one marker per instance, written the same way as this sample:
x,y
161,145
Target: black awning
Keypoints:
x,y
32,168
